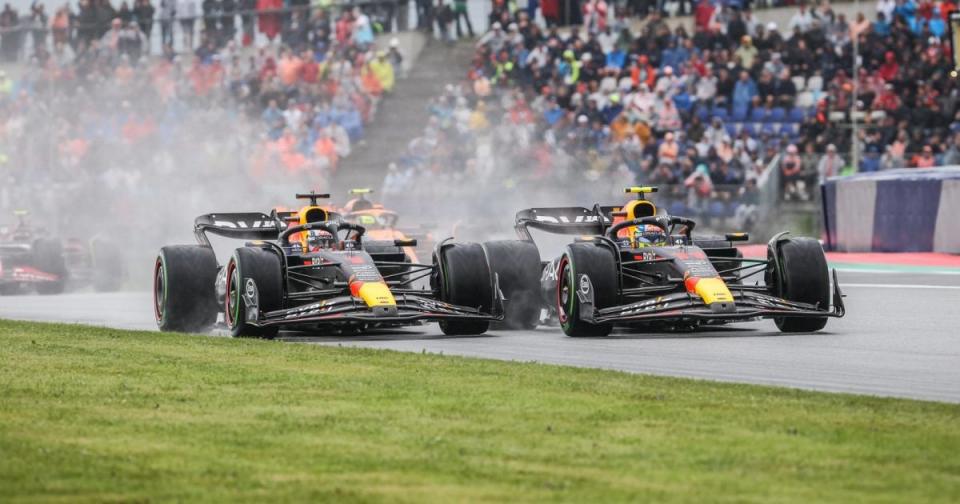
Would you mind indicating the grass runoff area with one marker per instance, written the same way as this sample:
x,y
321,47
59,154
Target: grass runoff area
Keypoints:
x,y
91,414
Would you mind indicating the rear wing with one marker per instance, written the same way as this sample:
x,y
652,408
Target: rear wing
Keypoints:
x,y
241,226
564,220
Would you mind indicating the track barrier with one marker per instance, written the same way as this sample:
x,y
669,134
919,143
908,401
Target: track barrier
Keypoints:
x,y
904,210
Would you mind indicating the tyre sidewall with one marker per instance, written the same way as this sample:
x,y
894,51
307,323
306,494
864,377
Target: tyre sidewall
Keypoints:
x,y
598,263
465,280
802,277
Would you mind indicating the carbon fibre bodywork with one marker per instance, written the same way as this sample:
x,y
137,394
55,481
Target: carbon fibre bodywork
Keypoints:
x,y
338,284
683,283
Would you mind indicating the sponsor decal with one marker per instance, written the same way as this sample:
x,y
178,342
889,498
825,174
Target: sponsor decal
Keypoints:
x,y
550,271
563,219
257,224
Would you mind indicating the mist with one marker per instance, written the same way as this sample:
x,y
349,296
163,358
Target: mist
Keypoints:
x,y
135,160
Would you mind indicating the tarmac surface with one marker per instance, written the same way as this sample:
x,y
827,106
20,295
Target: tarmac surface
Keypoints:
x,y
901,337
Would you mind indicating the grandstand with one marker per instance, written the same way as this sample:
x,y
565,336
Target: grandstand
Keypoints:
x,y
761,105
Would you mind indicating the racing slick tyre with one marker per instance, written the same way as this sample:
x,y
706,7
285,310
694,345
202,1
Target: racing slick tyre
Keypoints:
x,y
264,268
184,288
803,278
107,264
48,258
596,262
517,265
466,281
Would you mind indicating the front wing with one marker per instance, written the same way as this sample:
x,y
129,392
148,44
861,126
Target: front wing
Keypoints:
x,y
347,309
682,306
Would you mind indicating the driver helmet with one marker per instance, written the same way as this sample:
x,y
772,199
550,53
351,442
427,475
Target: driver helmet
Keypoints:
x,y
649,236
320,239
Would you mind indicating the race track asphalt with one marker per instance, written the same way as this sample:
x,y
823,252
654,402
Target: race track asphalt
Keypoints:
x,y
901,337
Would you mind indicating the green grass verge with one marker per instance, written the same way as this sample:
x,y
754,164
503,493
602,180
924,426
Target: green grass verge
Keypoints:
x,y
89,414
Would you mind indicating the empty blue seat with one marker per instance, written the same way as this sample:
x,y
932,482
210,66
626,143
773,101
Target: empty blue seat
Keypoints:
x,y
777,115
870,163
739,114
683,102
758,114
731,129
717,209
703,112
770,128
796,115
678,208
750,129
720,112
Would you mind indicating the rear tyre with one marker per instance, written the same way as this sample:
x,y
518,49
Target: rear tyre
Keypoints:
x,y
264,268
803,278
184,290
48,257
466,281
517,265
597,263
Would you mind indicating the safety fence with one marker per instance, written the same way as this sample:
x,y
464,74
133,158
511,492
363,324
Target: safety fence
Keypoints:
x,y
906,210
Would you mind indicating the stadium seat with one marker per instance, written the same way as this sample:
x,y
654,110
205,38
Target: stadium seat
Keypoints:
x,y
777,115
770,128
731,129
758,114
805,99
739,114
717,209
678,208
682,102
750,129
703,112
720,112
796,115
870,163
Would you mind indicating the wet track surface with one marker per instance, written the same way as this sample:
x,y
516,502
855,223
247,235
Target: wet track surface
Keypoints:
x,y
901,337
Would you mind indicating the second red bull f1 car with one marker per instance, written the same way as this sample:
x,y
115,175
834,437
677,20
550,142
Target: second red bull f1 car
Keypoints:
x,y
309,269
633,267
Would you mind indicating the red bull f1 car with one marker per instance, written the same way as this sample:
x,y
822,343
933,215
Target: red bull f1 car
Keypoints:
x,y
39,262
630,266
309,269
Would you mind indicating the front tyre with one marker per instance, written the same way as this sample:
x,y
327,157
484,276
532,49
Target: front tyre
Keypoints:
x,y
597,263
184,294
517,265
803,278
466,281
264,269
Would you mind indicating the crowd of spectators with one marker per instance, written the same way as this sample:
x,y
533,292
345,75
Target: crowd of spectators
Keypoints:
x,y
95,118
718,108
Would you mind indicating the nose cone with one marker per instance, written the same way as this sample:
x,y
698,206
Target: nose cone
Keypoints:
x,y
713,292
374,294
